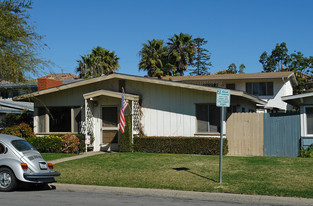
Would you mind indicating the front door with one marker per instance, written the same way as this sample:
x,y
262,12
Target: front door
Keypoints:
x,y
109,117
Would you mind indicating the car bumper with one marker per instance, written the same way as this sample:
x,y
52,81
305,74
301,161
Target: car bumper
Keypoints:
x,y
46,177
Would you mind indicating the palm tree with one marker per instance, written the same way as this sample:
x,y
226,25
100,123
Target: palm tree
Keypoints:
x,y
182,51
153,56
104,61
83,66
100,61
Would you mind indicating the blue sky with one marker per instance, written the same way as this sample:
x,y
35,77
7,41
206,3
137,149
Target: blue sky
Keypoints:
x,y
237,31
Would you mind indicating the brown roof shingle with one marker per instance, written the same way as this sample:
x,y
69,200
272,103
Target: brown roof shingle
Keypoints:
x,y
263,75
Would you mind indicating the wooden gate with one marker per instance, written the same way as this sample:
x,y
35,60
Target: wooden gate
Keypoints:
x,y
281,134
244,132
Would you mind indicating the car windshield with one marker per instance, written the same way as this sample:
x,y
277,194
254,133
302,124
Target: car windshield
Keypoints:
x,y
22,145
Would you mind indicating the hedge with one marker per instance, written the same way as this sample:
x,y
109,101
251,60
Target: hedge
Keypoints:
x,y
126,137
180,145
45,144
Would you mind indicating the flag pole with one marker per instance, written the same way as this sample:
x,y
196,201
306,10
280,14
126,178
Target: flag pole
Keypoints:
x,y
126,100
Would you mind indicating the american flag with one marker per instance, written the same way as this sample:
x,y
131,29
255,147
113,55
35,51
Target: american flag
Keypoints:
x,y
124,104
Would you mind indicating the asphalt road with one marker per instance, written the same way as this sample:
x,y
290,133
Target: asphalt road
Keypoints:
x,y
63,194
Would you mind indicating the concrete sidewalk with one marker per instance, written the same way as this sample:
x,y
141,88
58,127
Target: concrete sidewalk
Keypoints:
x,y
85,154
234,198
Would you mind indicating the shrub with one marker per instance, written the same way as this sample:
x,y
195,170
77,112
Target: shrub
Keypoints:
x,y
22,130
308,152
52,144
180,145
70,143
82,145
16,119
126,137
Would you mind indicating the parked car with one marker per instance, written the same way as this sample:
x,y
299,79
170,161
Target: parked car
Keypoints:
x,y
21,162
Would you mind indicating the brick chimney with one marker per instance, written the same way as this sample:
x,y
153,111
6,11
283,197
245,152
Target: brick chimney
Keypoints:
x,y
44,83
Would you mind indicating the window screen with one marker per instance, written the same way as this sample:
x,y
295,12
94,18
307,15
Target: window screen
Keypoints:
x,y
214,118
60,119
208,118
77,119
202,114
42,119
260,88
309,120
109,117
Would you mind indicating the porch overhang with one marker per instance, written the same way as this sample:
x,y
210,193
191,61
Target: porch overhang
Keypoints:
x,y
109,93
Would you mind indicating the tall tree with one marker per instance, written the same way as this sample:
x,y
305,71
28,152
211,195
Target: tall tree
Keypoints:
x,y
201,62
232,69
100,61
154,58
20,45
278,58
182,52
281,60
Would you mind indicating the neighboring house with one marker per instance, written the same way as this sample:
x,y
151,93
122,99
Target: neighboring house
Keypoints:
x,y
8,90
7,106
56,79
61,76
158,107
269,87
305,103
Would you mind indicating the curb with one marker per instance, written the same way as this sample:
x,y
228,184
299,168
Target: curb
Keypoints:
x,y
225,197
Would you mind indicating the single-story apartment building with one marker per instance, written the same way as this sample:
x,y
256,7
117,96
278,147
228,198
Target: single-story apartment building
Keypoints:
x,y
158,107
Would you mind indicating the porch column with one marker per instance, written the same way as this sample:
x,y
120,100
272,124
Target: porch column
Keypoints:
x,y
87,137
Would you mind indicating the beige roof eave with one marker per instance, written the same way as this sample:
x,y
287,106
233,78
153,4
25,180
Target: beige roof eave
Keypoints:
x,y
27,97
110,94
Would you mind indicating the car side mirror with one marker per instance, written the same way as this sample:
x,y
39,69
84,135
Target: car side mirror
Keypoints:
x,y
5,150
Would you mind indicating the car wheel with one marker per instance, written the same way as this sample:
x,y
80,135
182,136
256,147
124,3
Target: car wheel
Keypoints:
x,y
8,180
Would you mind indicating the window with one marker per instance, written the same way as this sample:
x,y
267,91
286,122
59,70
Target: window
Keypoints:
x,y
210,85
208,118
109,117
109,124
60,119
22,145
309,120
260,88
41,119
230,86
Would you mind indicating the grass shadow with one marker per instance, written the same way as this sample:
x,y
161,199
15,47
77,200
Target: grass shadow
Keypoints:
x,y
188,170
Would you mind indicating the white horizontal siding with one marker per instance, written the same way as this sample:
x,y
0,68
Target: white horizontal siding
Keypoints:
x,y
170,111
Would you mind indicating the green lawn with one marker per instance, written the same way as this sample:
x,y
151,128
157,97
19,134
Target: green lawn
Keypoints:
x,y
278,176
53,156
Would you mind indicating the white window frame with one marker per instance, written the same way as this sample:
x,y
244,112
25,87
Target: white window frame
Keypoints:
x,y
305,122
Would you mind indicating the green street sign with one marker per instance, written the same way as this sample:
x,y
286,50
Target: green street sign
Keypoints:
x,y
223,98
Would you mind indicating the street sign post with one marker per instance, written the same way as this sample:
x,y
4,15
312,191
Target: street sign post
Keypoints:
x,y
222,100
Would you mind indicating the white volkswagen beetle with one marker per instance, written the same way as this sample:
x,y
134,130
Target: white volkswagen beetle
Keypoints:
x,y
20,161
